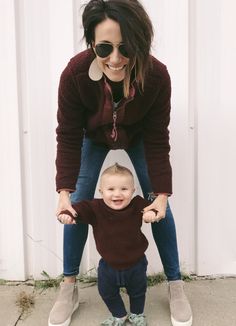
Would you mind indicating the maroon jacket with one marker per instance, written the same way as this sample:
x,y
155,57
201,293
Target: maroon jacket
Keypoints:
x,y
117,233
86,109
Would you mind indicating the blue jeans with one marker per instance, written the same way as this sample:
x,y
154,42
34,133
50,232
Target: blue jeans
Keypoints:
x,y
75,235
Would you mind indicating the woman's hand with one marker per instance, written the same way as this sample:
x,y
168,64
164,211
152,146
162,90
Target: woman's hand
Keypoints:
x,y
64,203
159,204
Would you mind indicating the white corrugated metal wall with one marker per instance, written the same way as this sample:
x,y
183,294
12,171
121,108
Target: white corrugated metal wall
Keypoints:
x,y
195,39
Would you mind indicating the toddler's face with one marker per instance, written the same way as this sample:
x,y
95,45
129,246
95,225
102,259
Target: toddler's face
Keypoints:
x,y
117,190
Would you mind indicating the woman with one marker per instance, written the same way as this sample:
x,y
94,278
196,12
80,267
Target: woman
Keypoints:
x,y
115,95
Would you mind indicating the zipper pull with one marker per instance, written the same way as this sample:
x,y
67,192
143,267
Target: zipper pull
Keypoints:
x,y
114,133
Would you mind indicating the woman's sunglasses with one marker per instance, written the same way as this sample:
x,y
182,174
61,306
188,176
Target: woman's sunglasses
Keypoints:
x,y
103,50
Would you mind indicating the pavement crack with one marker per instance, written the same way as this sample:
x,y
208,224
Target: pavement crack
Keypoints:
x,y
19,318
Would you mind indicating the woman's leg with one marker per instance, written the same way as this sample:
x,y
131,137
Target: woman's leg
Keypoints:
x,y
75,235
164,232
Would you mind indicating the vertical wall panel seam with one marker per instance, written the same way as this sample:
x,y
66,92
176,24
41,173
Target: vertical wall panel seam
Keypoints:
x,y
193,118
19,16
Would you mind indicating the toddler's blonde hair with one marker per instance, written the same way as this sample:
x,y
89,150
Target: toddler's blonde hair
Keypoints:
x,y
117,169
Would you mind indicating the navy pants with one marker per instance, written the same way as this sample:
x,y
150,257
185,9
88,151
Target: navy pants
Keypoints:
x,y
133,279
75,235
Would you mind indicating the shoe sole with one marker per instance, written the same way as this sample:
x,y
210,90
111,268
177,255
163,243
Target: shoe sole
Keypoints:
x,y
183,323
66,322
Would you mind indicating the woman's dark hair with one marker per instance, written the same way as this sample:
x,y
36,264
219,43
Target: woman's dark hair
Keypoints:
x,y
136,30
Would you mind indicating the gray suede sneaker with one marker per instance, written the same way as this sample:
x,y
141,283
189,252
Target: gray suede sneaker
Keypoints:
x,y
181,313
67,302
137,320
113,321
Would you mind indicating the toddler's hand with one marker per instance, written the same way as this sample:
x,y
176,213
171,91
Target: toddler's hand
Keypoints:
x,y
150,216
66,219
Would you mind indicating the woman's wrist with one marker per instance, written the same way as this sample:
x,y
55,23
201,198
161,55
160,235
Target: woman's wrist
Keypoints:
x,y
152,196
64,192
163,194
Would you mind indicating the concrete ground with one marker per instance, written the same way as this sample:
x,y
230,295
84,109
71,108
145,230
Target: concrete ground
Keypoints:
x,y
213,303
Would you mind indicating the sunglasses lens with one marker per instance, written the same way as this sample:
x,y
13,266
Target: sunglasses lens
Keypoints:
x,y
123,50
103,50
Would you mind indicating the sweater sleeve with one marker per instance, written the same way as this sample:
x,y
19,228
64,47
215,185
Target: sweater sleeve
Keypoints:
x,y
69,131
85,212
156,138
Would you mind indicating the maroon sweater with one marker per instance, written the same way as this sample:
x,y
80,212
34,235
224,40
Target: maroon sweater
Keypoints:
x,y
117,233
86,108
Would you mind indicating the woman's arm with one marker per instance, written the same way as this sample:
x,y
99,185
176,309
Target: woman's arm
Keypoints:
x,y
70,131
156,135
